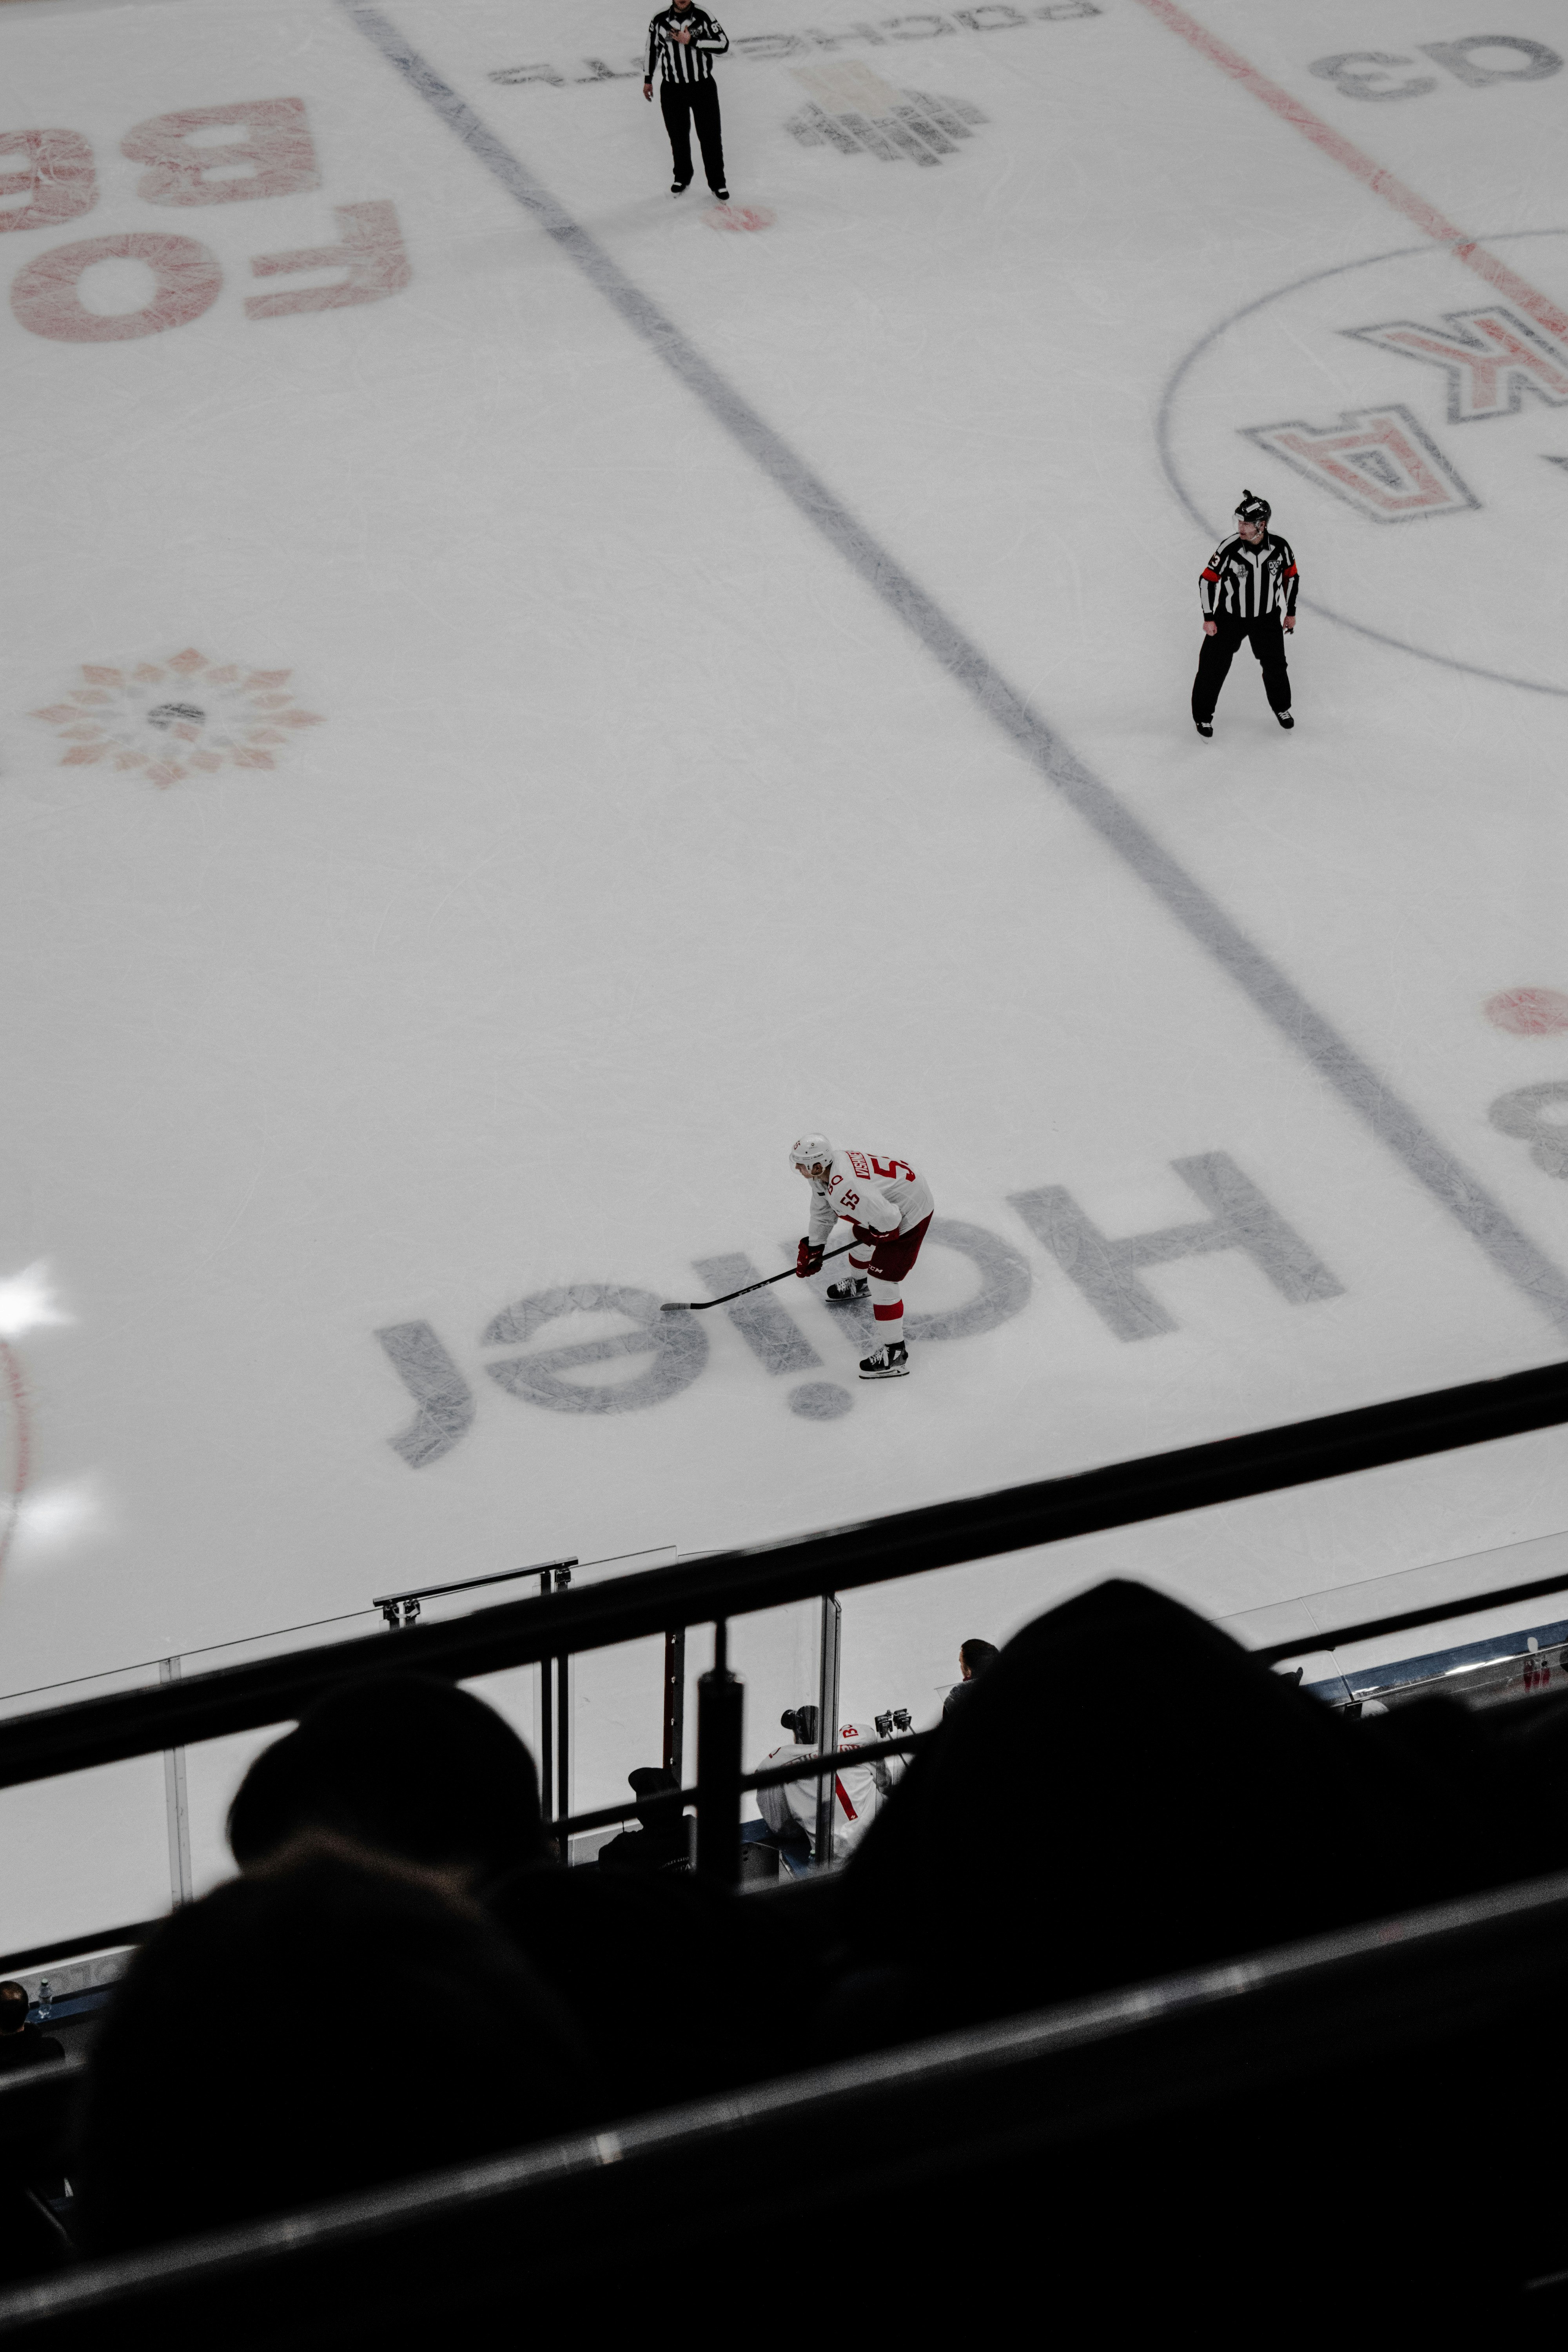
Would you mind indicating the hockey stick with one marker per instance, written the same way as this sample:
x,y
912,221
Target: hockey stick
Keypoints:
x,y
679,1305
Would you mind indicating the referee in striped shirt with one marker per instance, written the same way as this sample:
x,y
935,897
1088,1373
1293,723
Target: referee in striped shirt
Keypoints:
x,y
685,39
1248,590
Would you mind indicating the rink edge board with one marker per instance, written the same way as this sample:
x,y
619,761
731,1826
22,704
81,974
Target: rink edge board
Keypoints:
x,y
785,1569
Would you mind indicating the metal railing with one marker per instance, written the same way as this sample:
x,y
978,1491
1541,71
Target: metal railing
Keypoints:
x,y
665,1600
402,1609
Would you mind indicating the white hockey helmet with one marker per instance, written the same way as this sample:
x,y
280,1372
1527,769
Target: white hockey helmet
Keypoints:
x,y
810,1152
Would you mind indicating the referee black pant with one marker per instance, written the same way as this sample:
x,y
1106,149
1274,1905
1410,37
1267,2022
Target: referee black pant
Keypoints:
x,y
686,103
1219,651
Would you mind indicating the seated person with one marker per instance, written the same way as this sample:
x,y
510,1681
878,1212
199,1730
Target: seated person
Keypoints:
x,y
662,1843
22,2044
789,1811
215,2095
973,1657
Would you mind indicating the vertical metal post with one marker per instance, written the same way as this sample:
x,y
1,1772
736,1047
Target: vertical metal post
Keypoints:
x,y
175,1807
675,1703
546,1724
563,1738
718,1709
827,1726
564,1724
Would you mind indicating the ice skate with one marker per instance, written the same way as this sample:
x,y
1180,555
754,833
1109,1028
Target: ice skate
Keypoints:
x,y
840,1294
1203,726
1285,719
889,1363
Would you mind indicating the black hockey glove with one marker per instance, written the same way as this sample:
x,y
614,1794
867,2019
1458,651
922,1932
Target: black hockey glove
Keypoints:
x,y
808,1257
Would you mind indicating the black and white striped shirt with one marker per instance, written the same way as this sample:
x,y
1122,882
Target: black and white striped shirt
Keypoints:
x,y
1246,582
690,60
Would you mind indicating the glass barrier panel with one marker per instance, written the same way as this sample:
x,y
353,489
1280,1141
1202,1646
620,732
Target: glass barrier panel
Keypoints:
x,y
1363,1667
777,1654
515,1695
118,1843
83,1852
614,1698
901,1640
617,1702
214,1770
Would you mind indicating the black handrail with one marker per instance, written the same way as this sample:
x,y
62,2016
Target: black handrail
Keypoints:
x,y
394,1606
770,1575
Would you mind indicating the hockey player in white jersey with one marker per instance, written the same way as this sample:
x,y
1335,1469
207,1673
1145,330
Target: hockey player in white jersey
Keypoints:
x,y
889,1208
790,1811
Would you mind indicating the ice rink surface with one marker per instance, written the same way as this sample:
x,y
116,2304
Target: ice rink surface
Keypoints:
x,y
521,693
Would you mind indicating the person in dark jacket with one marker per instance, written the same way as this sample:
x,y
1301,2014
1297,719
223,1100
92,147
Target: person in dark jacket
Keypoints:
x,y
660,1844
684,40
973,1657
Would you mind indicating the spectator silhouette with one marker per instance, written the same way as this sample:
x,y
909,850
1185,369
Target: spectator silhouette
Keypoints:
x,y
216,2092
973,1657
661,1843
406,1764
675,1986
1209,1810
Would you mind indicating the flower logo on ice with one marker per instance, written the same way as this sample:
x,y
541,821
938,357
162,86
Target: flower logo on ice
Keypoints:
x,y
168,720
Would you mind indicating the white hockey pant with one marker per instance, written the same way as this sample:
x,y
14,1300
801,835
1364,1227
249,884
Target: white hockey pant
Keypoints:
x,y
887,1297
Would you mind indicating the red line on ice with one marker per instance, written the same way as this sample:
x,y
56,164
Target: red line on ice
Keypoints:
x,y
1416,208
